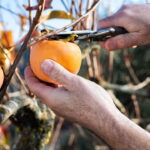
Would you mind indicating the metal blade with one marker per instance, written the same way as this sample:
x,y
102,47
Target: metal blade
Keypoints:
x,y
78,32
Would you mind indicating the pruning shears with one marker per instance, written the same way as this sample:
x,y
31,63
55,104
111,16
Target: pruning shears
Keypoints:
x,y
99,35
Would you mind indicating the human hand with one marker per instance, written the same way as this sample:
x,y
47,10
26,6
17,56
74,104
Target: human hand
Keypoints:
x,y
136,20
78,99
88,104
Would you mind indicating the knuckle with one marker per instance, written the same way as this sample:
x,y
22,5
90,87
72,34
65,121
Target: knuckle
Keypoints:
x,y
82,82
74,81
59,74
125,11
53,70
77,82
125,7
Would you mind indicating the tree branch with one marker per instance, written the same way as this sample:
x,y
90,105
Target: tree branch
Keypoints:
x,y
22,49
125,89
93,7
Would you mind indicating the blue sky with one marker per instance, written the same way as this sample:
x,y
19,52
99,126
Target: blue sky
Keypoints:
x,y
11,21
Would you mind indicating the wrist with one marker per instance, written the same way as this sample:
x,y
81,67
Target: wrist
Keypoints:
x,y
102,118
106,121
121,133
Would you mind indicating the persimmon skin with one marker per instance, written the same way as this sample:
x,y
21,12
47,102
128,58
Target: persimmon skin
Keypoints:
x,y
66,54
1,77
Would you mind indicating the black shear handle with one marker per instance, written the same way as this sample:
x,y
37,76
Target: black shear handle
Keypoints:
x,y
104,34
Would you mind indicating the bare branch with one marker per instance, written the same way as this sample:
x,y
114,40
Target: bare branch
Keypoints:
x,y
21,81
130,68
118,103
93,7
64,4
136,106
141,85
56,133
30,12
22,49
12,12
125,89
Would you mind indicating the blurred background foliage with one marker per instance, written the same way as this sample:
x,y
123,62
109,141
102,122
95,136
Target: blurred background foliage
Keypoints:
x,y
124,73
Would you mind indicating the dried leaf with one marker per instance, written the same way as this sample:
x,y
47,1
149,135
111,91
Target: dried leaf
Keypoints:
x,y
30,8
47,5
2,57
23,20
56,14
5,59
6,39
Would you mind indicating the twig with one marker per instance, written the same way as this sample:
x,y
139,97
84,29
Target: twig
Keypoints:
x,y
136,106
71,7
124,89
56,134
93,7
141,85
95,54
130,68
118,103
89,19
10,11
89,64
22,49
21,81
110,65
30,13
64,4
94,20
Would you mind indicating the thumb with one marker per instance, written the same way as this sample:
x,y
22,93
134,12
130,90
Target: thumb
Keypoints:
x,y
57,73
122,41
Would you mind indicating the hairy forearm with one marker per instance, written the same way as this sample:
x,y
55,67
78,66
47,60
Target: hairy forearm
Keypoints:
x,y
121,133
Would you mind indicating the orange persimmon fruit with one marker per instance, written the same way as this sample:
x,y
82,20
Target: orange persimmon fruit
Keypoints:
x,y
1,77
67,54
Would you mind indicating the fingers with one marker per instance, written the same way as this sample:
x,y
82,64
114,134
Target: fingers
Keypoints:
x,y
32,81
57,73
48,95
109,22
121,41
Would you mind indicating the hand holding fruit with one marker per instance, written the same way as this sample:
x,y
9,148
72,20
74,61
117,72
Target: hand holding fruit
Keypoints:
x,y
88,104
78,99
134,19
67,100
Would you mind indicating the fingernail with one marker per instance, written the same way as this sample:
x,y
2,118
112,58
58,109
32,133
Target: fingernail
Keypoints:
x,y
46,66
